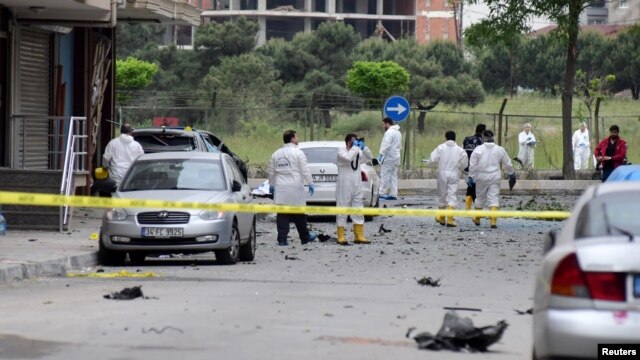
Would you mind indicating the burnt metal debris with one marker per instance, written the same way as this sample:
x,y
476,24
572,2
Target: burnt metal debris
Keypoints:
x,y
429,281
126,294
381,229
459,334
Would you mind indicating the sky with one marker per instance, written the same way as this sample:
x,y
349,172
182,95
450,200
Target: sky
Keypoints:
x,y
475,13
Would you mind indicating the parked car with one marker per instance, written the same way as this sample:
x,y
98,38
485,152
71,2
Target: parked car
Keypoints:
x,y
625,173
180,176
184,139
588,289
321,158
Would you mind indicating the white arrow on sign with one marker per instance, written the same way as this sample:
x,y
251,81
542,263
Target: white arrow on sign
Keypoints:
x,y
399,109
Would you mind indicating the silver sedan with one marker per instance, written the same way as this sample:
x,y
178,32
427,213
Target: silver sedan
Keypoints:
x,y
180,176
588,289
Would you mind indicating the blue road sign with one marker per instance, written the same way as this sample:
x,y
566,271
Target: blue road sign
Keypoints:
x,y
396,108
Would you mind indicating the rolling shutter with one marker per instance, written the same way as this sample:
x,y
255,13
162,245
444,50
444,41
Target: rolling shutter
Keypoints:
x,y
34,64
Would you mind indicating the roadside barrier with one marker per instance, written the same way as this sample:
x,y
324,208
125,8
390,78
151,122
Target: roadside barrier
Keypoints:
x,y
21,198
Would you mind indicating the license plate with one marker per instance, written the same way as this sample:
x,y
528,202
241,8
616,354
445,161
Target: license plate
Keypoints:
x,y
161,232
325,178
636,285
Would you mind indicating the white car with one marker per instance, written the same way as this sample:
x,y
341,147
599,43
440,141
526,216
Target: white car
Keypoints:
x,y
321,158
588,289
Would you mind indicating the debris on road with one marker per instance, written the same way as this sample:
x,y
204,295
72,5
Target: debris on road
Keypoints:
x,y
429,281
382,230
126,294
291,257
146,331
459,334
525,312
122,273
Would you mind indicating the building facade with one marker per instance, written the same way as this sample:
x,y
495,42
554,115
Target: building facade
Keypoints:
x,y
425,20
613,12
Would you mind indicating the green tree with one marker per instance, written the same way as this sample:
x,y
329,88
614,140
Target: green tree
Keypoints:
x,y
213,41
133,37
291,61
625,61
541,64
133,74
511,17
377,79
590,89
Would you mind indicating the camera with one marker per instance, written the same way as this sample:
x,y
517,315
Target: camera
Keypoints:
x,y
359,139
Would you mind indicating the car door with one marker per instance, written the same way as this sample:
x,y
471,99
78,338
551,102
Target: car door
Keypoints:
x,y
245,220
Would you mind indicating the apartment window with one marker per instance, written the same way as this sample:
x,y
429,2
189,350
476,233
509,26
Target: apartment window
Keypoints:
x,y
427,4
624,4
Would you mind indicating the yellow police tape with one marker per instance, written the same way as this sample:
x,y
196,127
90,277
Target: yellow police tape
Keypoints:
x,y
119,274
21,198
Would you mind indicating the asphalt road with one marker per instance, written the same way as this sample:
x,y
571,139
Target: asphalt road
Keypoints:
x,y
319,301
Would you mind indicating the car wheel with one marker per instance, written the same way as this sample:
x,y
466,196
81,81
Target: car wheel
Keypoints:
x,y
370,217
230,256
110,257
248,250
137,257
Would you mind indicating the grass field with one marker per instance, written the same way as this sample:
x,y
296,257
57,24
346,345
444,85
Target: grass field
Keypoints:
x,y
256,139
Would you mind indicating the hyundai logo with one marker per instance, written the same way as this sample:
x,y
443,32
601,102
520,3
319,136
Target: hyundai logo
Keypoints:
x,y
322,171
163,214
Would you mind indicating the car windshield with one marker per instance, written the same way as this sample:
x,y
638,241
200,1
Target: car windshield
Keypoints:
x,y
321,155
610,214
152,143
175,174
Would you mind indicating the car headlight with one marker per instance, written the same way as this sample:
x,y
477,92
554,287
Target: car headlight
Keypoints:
x,y
211,215
116,214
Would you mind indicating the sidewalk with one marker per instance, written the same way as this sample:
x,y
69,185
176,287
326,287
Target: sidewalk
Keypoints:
x,y
31,254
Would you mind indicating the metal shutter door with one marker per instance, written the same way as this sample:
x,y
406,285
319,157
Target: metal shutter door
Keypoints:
x,y
34,57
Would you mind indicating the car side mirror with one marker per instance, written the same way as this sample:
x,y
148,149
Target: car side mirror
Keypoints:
x,y
549,241
236,186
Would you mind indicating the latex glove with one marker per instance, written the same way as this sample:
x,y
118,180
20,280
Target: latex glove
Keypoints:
x,y
312,189
355,143
361,144
470,181
380,158
532,143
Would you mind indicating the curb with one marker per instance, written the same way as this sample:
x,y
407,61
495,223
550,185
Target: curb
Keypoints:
x,y
55,267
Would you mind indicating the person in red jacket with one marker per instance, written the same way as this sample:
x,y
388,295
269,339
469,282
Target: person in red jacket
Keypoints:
x,y
611,152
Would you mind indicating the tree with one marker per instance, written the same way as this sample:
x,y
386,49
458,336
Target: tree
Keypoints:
x,y
133,74
589,89
541,64
508,17
134,37
625,62
377,79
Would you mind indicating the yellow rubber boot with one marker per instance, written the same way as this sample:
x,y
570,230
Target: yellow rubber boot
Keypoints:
x,y
494,219
440,218
450,221
476,219
467,202
358,230
341,239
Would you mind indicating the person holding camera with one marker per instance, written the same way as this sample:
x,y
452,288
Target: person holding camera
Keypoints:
x,y
527,142
349,186
611,152
451,160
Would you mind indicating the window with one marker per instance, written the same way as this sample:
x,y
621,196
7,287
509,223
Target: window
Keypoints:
x,y
321,155
624,4
609,214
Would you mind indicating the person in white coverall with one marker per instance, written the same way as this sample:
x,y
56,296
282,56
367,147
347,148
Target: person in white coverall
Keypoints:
x,y
349,186
120,154
485,171
581,147
451,160
527,142
288,172
389,159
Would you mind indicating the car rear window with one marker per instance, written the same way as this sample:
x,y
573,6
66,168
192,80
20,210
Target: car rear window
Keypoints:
x,y
610,214
321,155
175,174
152,143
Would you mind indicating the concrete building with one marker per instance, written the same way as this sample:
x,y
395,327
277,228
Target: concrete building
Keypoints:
x,y
614,12
425,20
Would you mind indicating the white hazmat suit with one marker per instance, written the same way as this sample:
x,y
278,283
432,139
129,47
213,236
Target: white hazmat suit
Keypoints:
x,y
527,142
120,154
288,171
484,168
349,185
581,148
390,150
451,160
